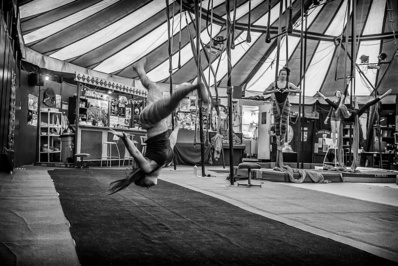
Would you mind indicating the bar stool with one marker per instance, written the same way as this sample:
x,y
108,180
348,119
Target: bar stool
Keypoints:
x,y
249,167
82,156
143,144
109,155
328,153
127,155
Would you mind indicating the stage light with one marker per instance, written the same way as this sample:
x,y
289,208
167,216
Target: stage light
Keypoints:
x,y
382,57
46,77
110,92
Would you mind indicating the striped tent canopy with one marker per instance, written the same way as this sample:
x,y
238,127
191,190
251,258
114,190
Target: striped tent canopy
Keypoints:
x,y
107,37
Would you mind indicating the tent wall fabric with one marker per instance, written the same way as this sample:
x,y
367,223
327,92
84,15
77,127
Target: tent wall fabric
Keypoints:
x,y
9,82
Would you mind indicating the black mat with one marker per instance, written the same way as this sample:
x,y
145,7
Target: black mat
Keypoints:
x,y
172,225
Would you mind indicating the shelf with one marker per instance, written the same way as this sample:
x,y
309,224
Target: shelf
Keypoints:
x,y
383,127
49,128
51,112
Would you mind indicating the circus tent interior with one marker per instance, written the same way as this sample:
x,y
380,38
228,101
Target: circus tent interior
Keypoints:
x,y
87,51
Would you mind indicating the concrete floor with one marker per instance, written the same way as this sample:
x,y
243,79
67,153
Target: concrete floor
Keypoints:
x,y
364,216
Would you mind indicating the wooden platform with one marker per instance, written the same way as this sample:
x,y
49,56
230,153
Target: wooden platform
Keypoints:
x,y
363,175
371,175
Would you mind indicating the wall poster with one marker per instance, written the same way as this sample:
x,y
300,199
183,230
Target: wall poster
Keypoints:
x,y
32,110
58,101
128,113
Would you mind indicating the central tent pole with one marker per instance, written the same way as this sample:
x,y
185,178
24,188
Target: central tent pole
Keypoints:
x,y
229,91
300,115
170,66
199,63
280,138
303,67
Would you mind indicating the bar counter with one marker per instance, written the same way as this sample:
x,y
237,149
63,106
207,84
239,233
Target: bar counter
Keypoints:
x,y
90,140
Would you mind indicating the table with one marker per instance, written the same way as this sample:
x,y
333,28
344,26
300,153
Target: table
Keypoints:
x,y
373,159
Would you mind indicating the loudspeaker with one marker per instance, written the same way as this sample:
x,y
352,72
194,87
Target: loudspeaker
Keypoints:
x,y
237,92
34,79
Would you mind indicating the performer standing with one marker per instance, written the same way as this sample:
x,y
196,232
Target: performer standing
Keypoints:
x,y
334,122
153,119
281,107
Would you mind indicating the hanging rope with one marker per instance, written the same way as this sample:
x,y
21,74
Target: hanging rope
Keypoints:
x,y
179,38
340,43
268,34
233,27
196,123
172,29
249,37
287,37
193,48
392,21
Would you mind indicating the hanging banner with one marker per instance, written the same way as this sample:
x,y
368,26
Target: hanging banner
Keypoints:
x,y
110,85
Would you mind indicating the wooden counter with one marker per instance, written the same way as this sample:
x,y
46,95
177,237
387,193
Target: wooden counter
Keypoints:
x,y
189,153
90,139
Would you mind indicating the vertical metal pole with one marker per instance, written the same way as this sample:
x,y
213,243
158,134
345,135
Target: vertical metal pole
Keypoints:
x,y
279,153
202,145
304,65
39,123
77,122
300,115
287,64
229,91
170,66
353,85
353,46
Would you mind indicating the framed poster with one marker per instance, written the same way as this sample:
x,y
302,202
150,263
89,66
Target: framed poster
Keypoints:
x,y
396,123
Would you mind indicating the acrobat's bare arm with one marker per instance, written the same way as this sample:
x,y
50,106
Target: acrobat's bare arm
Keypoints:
x,y
142,163
294,88
270,89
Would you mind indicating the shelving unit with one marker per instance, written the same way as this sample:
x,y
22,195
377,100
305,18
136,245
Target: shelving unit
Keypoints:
x,y
386,137
82,109
348,133
49,142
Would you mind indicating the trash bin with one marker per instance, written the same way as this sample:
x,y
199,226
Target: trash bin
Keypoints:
x,y
67,147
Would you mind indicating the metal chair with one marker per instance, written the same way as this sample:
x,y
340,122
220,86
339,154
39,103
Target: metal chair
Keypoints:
x,y
109,155
127,155
143,144
328,154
